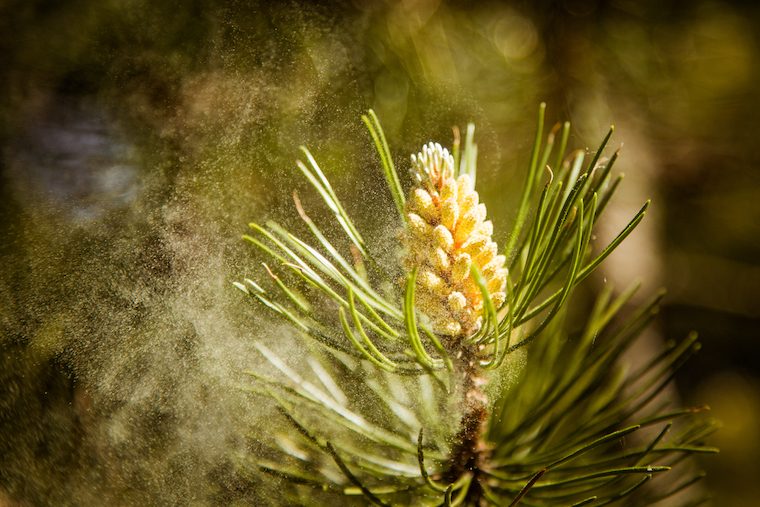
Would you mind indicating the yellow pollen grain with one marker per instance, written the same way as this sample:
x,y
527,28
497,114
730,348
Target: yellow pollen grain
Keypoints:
x,y
461,267
442,262
485,254
432,282
443,238
449,190
423,204
452,328
475,244
498,298
467,201
486,228
457,301
465,226
497,282
417,225
449,213
494,267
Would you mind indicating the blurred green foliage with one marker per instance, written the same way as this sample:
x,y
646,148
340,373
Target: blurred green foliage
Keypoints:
x,y
111,254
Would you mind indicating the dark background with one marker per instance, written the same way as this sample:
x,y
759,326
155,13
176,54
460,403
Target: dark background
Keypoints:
x,y
139,137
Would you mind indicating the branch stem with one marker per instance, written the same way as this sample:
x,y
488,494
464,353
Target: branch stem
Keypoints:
x,y
470,450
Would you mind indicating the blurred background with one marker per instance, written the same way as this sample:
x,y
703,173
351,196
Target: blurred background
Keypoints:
x,y
138,138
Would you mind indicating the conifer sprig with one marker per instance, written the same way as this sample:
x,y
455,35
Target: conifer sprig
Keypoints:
x,y
398,404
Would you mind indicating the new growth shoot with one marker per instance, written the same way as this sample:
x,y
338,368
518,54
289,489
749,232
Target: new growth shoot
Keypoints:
x,y
404,401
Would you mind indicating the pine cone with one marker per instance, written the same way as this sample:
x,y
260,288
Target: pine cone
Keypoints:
x,y
447,232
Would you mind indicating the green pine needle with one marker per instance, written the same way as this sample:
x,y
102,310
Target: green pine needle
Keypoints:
x,y
570,428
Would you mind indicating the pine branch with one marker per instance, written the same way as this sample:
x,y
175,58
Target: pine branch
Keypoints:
x,y
386,368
